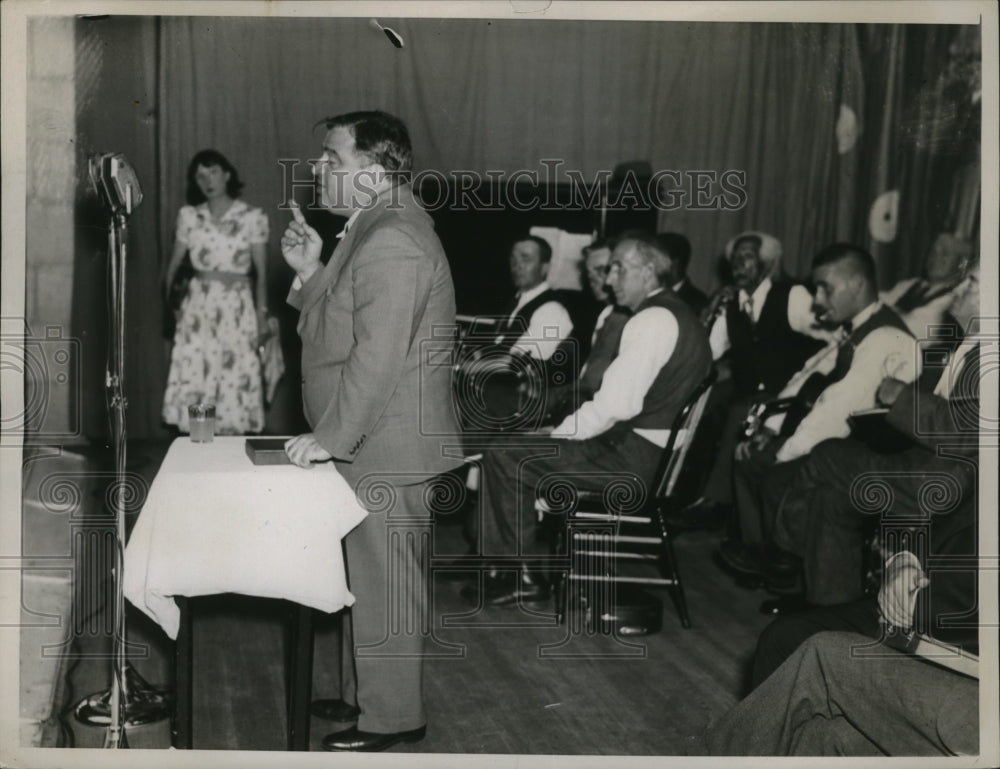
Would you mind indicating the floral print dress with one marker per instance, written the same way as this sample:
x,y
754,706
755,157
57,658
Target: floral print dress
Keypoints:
x,y
214,357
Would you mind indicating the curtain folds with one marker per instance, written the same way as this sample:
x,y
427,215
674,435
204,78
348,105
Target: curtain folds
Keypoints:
x,y
766,100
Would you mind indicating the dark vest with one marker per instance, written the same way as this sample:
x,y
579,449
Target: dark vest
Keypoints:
x,y
602,351
687,367
814,386
919,294
884,316
512,328
562,367
769,352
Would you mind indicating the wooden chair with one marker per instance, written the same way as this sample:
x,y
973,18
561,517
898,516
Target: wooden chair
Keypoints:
x,y
605,529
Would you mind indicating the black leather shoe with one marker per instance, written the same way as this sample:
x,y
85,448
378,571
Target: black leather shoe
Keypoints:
x,y
701,514
493,582
742,559
460,568
530,587
785,604
370,742
334,710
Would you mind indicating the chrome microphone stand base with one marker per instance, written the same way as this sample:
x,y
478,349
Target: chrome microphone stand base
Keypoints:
x,y
144,703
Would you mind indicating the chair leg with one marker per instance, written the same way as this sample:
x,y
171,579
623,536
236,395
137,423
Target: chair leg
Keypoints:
x,y
560,592
677,588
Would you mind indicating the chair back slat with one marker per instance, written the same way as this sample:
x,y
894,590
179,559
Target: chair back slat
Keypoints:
x,y
681,436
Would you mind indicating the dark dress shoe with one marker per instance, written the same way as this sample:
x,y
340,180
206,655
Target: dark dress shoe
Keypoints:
x,y
460,568
493,582
529,588
742,559
370,742
334,710
785,604
700,515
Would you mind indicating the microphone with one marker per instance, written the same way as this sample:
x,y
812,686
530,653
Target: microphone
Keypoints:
x,y
115,182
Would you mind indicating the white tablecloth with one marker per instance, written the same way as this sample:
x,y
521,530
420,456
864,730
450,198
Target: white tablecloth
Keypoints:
x,y
213,522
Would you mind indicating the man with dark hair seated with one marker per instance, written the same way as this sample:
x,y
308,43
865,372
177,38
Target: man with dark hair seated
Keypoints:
x,y
874,343
662,356
678,248
927,492
763,325
894,675
530,335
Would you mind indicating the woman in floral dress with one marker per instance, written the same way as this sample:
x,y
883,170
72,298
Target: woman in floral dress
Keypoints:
x,y
214,357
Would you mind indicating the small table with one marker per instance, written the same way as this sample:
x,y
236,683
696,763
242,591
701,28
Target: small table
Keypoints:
x,y
213,522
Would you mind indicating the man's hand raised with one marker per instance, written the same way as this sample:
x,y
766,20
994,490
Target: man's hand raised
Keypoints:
x,y
301,245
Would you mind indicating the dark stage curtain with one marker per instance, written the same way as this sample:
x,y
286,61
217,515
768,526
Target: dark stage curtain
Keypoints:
x,y
810,113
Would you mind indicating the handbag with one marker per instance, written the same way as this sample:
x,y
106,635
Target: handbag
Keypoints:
x,y
176,293
272,360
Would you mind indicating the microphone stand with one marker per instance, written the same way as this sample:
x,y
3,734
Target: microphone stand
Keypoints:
x,y
130,700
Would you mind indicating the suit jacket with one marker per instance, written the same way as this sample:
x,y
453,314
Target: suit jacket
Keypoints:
x,y
377,325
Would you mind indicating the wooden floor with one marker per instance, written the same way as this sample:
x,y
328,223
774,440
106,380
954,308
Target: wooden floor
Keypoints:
x,y
501,681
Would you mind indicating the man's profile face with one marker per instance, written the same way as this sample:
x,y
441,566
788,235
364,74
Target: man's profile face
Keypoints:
x,y
527,269
746,264
838,293
965,299
947,259
628,276
597,272
347,180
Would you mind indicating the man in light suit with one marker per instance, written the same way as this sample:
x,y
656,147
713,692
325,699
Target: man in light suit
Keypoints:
x,y
375,409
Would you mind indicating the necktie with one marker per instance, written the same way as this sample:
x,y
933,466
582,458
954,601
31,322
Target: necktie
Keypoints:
x,y
748,308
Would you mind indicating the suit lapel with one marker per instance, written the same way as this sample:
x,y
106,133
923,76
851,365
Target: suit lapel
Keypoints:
x,y
342,253
335,265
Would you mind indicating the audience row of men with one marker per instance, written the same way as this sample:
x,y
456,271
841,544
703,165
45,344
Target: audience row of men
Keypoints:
x,y
647,355
787,446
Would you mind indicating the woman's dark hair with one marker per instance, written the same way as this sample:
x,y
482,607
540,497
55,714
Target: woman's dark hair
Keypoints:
x,y
208,159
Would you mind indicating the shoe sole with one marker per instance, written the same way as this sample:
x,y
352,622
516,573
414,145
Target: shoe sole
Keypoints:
x,y
519,599
407,739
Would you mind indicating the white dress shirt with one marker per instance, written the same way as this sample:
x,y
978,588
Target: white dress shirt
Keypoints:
x,y
922,318
884,352
547,327
648,340
800,316
956,363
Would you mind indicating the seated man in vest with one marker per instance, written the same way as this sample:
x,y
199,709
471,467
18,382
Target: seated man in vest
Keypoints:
x,y
816,690
841,486
765,326
840,379
620,433
923,302
603,344
528,337
678,248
